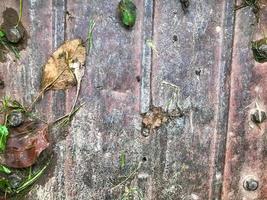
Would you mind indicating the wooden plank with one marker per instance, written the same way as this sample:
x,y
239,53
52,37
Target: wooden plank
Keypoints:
x,y
183,159
194,54
246,144
87,160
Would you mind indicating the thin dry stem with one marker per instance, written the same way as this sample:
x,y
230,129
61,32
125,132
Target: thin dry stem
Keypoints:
x,y
44,89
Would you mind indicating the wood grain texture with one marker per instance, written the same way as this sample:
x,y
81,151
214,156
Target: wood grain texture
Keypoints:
x,y
205,54
246,143
198,62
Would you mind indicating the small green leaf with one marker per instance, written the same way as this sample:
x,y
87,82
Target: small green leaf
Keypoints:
x,y
4,169
91,26
2,34
122,160
3,137
5,186
127,12
259,49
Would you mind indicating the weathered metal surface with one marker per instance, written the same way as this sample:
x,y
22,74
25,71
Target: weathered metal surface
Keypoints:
x,y
184,158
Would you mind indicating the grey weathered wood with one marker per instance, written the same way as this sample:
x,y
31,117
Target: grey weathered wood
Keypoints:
x,y
198,64
183,159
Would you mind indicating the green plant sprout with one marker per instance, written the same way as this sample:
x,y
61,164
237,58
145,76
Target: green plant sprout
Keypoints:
x,y
132,193
131,175
89,38
122,160
150,43
20,12
3,137
4,169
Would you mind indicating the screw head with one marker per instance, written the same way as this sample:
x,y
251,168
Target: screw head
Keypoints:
x,y
251,184
145,132
14,35
258,116
15,118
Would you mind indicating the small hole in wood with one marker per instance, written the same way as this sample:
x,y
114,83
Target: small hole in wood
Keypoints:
x,y
144,159
198,72
138,79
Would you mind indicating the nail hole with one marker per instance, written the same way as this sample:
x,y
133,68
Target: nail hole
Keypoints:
x,y
175,38
144,159
198,72
138,79
2,84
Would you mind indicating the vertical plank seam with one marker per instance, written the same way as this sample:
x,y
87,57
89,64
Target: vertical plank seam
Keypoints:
x,y
59,24
59,102
59,21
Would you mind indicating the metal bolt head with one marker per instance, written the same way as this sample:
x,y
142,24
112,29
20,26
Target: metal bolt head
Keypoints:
x,y
145,132
15,118
250,184
14,35
258,116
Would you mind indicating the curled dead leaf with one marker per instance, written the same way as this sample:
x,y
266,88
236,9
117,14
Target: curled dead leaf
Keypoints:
x,y
57,73
25,144
154,118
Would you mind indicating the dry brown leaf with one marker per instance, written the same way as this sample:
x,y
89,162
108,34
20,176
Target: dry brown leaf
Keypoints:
x,y
25,144
58,68
155,118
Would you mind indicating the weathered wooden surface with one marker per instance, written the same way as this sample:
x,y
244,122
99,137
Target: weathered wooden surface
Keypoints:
x,y
185,158
246,143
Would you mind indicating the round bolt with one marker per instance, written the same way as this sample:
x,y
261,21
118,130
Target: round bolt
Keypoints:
x,y
14,35
251,184
258,116
145,132
15,118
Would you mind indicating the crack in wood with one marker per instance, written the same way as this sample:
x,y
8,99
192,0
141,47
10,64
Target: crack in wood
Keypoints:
x,y
59,27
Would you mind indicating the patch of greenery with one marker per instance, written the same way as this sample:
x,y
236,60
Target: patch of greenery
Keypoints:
x,y
127,12
122,160
8,45
9,105
132,193
91,26
32,178
259,49
5,185
20,12
4,169
3,137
